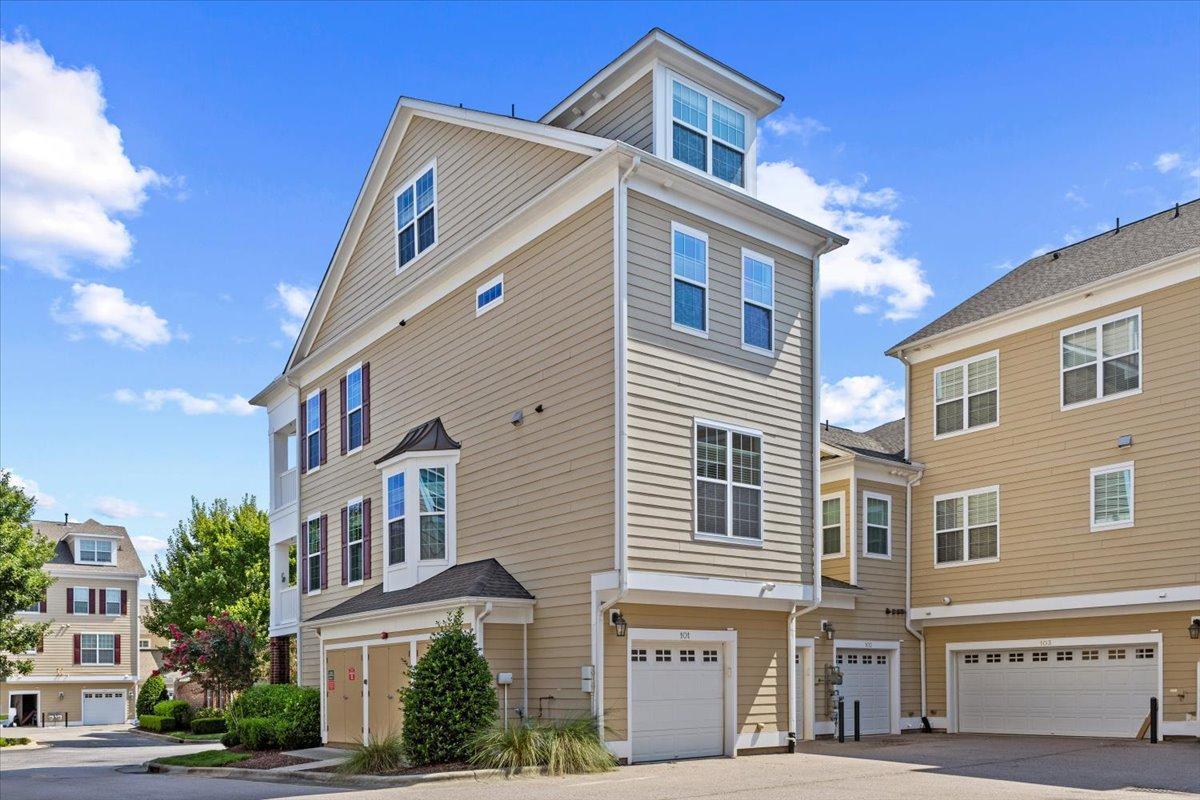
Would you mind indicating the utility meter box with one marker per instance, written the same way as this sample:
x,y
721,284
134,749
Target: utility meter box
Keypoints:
x,y
833,675
587,674
504,678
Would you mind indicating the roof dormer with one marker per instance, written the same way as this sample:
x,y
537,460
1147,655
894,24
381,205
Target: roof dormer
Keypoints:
x,y
671,100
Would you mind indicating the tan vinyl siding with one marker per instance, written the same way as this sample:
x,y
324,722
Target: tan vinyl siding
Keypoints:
x,y
628,117
1179,656
839,566
481,178
537,497
674,377
1041,457
504,650
71,702
58,644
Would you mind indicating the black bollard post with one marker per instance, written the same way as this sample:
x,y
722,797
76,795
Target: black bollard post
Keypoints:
x,y
856,736
1153,720
841,720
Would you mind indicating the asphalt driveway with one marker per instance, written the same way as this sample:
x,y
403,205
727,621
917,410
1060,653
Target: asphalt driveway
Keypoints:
x,y
94,763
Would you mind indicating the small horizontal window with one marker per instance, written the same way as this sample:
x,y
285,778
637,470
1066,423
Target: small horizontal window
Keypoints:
x,y
489,295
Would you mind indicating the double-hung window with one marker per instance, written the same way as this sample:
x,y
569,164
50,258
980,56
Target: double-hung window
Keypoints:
x,y
395,519
1112,497
877,535
708,133
831,525
80,600
728,482
689,279
758,301
354,541
967,527
432,493
489,295
416,212
313,557
1102,360
96,551
967,395
312,430
354,408
97,648
112,602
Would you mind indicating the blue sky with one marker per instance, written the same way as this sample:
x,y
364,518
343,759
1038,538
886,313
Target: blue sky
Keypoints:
x,y
175,178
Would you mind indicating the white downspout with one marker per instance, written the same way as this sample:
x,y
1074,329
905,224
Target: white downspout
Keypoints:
x,y
479,618
908,626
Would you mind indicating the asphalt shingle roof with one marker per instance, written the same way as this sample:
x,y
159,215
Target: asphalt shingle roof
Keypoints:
x,y
834,583
884,441
485,578
1135,245
57,531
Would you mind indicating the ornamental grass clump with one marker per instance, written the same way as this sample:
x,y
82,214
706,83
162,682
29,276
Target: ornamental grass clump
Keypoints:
x,y
378,756
561,747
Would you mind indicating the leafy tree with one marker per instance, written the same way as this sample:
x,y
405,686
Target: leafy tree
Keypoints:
x,y
222,655
216,561
449,697
153,691
22,581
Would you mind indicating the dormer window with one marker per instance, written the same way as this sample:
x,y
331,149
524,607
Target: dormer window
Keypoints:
x,y
707,132
95,551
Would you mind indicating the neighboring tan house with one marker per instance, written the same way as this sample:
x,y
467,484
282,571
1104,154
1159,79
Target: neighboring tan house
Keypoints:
x,y
150,646
86,668
1056,525
561,374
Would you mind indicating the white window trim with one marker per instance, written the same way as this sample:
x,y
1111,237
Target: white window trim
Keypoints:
x,y
118,593
97,649
698,234
667,117
78,549
965,562
748,253
144,644
966,395
841,498
480,310
411,181
320,422
1109,526
309,554
1099,324
356,368
414,568
886,499
728,537
363,549
86,593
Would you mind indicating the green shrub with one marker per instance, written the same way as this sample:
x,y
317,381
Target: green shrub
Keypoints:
x,y
295,709
156,722
230,739
562,747
179,710
449,697
208,725
153,691
258,733
375,757
208,713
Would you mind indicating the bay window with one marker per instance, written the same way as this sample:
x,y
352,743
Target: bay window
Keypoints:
x,y
395,518
420,510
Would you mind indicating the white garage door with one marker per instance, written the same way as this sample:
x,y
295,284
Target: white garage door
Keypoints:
x,y
1081,691
102,707
867,678
678,696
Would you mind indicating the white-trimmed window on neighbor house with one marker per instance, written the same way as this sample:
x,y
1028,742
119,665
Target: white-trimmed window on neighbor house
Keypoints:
x,y
967,395
758,302
81,600
689,279
967,527
416,216
112,602
489,295
354,542
877,536
709,133
728,482
96,551
312,529
312,430
1102,360
432,500
1112,496
395,519
97,648
831,526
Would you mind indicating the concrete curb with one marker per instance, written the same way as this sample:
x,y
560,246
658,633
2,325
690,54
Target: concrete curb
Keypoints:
x,y
166,737
328,778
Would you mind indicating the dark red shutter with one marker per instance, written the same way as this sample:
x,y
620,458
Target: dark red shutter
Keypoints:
x,y
71,602
342,423
117,649
302,439
303,565
366,406
324,430
345,548
366,523
77,647
324,551
91,601
124,602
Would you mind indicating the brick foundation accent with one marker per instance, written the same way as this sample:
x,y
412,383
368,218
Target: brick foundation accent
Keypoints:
x,y
280,670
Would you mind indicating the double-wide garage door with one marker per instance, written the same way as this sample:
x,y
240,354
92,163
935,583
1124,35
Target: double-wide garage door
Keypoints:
x,y
1103,690
678,700
103,706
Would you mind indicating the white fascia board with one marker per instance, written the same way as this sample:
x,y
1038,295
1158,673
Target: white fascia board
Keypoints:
x,y
407,617
89,573
877,470
1122,600
71,678
837,598
718,587
1079,300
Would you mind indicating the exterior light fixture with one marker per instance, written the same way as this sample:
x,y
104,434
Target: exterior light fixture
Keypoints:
x,y
518,417
947,600
1194,628
1125,441
618,621
827,628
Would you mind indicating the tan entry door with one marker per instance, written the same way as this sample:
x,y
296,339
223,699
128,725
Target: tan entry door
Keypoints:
x,y
344,695
388,677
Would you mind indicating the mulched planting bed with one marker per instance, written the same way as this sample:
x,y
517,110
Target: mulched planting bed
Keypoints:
x,y
456,767
271,760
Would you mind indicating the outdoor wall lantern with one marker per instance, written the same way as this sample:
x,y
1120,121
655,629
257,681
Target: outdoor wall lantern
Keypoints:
x,y
618,621
1194,628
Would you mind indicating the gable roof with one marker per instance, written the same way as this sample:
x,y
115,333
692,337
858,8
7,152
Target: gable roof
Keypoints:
x,y
884,441
57,531
1111,253
484,579
428,436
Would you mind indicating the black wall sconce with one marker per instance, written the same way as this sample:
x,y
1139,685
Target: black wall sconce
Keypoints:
x,y
618,621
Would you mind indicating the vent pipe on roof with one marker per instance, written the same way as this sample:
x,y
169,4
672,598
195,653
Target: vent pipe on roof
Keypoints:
x,y
1118,229
513,112
66,519
1176,211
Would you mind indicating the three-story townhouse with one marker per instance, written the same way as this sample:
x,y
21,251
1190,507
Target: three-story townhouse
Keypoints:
x,y
85,670
1056,527
561,374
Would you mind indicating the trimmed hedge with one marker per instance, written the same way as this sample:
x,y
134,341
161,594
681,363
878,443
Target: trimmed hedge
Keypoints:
x,y
258,733
153,691
208,725
230,739
295,712
179,710
156,722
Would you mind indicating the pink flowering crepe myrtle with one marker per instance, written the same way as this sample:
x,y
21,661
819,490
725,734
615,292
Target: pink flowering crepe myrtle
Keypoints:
x,y
222,655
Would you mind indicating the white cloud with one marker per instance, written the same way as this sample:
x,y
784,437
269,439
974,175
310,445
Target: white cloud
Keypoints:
x,y
116,508
1167,161
871,263
65,177
295,302
45,502
113,316
190,404
802,128
148,544
864,308
1075,198
861,401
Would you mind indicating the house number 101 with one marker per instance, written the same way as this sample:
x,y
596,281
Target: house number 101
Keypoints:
x,y
685,634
